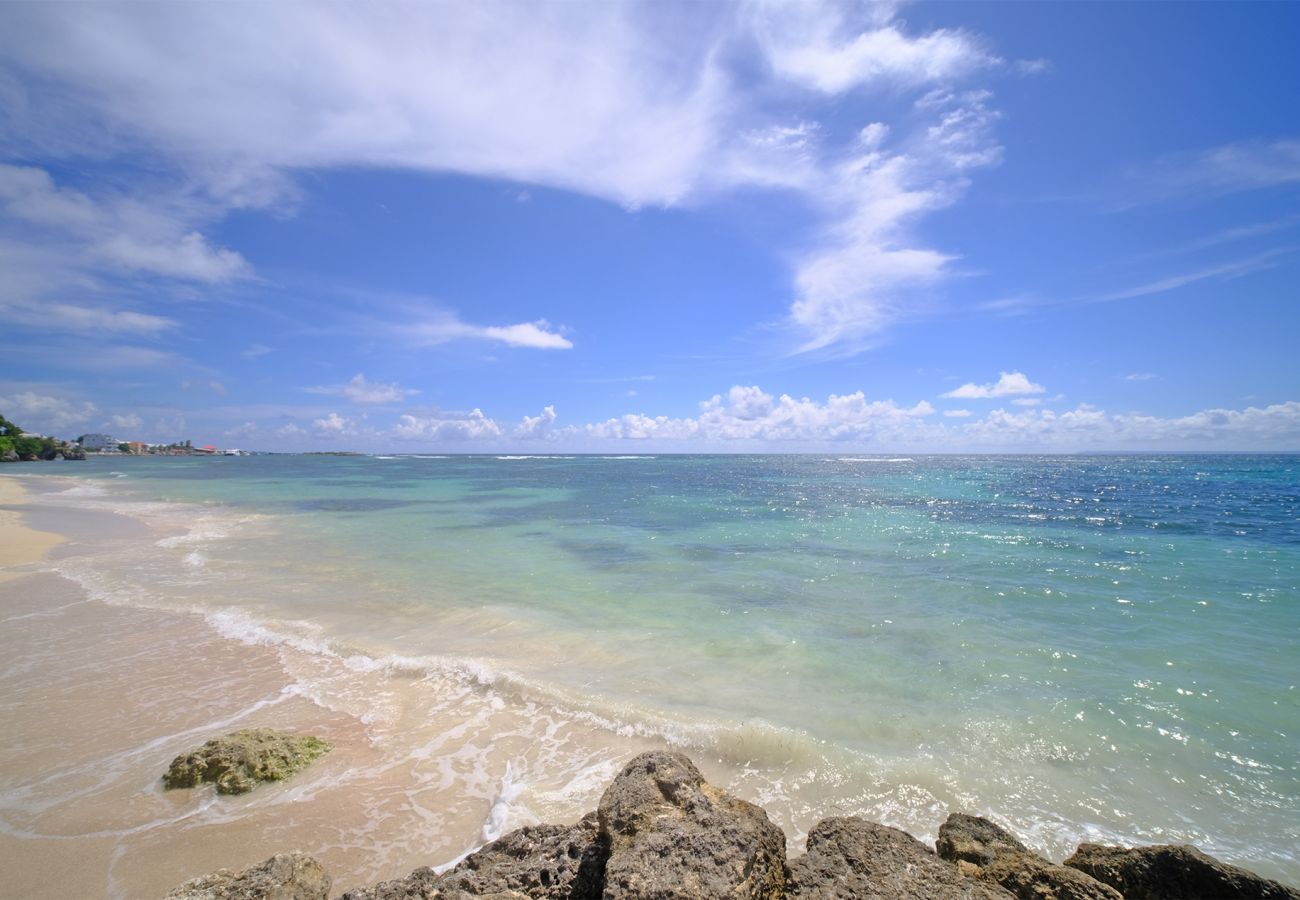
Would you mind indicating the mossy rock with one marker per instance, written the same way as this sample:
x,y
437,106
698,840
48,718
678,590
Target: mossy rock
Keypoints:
x,y
238,762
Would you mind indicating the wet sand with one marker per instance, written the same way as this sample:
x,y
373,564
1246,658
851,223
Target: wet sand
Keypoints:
x,y
22,544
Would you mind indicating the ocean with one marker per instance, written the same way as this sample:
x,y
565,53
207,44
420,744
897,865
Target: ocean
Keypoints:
x,y
1100,648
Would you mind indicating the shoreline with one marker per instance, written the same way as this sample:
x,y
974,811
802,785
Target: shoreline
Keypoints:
x,y
454,798
23,544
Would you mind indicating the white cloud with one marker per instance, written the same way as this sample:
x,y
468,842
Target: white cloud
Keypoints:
x,y
68,317
537,426
112,231
652,111
751,414
440,327
527,334
869,270
446,426
365,393
188,256
128,422
817,45
749,417
1141,376
246,430
1008,384
44,413
334,426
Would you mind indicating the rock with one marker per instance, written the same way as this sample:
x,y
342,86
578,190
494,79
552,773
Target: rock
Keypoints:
x,y
1030,877
1001,859
671,835
285,876
851,858
975,839
419,885
238,762
1173,871
548,862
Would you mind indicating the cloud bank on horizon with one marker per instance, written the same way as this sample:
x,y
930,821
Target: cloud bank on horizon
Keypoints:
x,y
217,221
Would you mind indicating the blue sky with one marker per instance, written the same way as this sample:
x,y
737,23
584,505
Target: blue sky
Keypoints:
x,y
653,227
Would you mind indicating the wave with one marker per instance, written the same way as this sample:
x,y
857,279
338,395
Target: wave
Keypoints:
x,y
536,457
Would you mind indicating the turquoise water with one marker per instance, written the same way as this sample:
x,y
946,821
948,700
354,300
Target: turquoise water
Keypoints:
x,y
1091,647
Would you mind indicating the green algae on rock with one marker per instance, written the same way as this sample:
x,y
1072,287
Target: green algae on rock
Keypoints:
x,y
238,762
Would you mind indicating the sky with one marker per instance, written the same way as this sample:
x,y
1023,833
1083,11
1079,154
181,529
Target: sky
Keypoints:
x,y
653,227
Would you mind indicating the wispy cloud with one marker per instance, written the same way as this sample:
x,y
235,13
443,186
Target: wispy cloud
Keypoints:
x,y
870,270
365,393
1009,384
441,327
112,231
1227,169
1224,272
69,317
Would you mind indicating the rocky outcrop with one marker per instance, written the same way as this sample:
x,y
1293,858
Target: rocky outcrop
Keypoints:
x,y
662,833
671,835
849,858
549,862
238,762
285,876
995,856
1172,871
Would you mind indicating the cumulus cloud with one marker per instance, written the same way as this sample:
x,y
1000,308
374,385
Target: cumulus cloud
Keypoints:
x,y
537,426
43,413
746,417
365,393
446,426
752,414
749,416
333,426
1009,384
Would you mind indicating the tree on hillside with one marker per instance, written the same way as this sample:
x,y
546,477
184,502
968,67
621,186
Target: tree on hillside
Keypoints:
x,y
9,429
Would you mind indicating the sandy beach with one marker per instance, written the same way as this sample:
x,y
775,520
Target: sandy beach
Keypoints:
x,y
22,544
99,696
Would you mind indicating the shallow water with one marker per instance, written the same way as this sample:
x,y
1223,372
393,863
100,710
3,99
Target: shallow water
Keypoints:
x,y
1089,648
